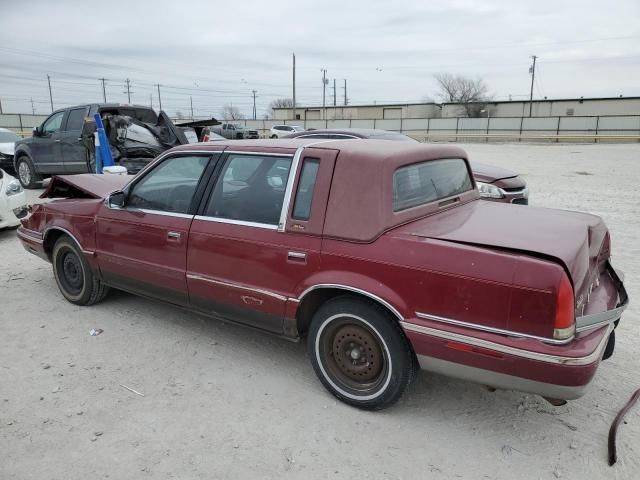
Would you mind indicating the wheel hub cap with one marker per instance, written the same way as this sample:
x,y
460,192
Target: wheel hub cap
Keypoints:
x,y
357,353
24,173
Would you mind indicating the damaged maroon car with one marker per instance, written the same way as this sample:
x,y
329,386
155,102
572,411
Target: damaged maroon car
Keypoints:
x,y
380,253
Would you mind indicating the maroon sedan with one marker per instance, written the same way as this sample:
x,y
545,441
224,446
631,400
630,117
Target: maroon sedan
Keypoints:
x,y
380,253
494,183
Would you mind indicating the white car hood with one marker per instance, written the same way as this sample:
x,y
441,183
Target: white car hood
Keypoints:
x,y
7,148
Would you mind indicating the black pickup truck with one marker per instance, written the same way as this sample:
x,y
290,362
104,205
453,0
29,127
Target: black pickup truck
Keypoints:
x,y
63,144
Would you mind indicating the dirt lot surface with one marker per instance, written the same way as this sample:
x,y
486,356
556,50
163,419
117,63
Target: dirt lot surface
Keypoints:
x,y
222,401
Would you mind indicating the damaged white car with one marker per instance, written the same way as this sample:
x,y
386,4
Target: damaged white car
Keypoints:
x,y
13,201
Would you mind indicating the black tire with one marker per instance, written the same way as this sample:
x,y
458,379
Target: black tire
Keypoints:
x,y
74,276
26,172
273,136
360,353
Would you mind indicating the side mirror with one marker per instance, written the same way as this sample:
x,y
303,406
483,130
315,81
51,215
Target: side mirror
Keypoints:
x,y
116,199
37,132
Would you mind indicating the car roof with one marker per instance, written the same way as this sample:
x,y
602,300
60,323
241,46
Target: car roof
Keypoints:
x,y
357,132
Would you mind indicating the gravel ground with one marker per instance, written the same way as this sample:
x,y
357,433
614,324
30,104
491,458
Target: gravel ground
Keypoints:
x,y
222,401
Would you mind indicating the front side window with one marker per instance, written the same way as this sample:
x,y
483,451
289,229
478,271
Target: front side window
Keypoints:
x,y
170,186
430,181
250,189
53,123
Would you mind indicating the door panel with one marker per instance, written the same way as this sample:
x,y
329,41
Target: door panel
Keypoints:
x,y
45,150
143,247
136,251
74,153
246,270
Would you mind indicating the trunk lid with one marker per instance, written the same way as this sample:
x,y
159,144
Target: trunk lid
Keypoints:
x,y
575,240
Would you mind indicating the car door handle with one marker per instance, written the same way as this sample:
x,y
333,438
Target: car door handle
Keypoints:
x,y
173,235
297,257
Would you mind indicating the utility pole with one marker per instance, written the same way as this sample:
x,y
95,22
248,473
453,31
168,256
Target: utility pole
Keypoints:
x,y
334,92
104,90
33,108
50,94
159,97
191,104
151,100
532,71
128,92
345,92
324,93
294,86
0,105
253,92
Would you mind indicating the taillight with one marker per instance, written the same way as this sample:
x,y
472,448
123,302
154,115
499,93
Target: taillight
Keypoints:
x,y
564,326
206,138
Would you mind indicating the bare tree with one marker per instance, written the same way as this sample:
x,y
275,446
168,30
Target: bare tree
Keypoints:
x,y
470,93
280,103
229,112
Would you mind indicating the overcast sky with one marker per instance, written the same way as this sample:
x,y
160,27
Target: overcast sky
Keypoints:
x,y
218,52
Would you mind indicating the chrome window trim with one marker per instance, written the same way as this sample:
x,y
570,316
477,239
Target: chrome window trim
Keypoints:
x,y
267,226
207,279
355,290
518,352
289,189
262,154
498,331
157,212
64,230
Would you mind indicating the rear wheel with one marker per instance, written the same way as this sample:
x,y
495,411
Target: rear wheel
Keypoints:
x,y
27,173
359,353
74,276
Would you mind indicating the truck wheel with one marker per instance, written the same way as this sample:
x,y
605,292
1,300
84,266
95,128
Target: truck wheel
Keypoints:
x,y
359,353
27,173
74,276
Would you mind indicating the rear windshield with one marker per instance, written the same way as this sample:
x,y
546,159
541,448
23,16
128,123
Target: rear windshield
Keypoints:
x,y
430,181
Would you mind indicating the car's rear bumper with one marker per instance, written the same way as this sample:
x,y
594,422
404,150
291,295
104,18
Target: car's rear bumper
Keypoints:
x,y
561,375
502,359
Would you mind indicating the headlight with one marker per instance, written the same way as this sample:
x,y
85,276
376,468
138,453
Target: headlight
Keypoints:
x,y
489,191
13,187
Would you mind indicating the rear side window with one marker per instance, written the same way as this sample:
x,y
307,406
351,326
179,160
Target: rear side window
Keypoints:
x,y
304,195
428,182
75,120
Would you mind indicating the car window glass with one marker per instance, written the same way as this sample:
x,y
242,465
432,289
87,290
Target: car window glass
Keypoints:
x,y
8,137
53,123
75,120
426,182
170,186
251,189
304,195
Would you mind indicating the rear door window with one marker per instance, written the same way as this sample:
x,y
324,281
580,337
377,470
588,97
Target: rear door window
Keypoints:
x,y
75,119
430,181
250,189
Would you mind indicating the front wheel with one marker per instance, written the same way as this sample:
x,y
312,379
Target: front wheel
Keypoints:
x,y
27,173
359,353
74,276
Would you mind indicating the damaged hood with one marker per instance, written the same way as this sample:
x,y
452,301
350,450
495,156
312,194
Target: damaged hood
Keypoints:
x,y
571,238
490,173
86,185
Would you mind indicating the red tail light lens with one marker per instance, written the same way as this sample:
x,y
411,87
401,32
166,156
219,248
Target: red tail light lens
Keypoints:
x,y
564,326
205,138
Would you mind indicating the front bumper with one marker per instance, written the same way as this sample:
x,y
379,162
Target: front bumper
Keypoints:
x,y
12,209
518,197
6,163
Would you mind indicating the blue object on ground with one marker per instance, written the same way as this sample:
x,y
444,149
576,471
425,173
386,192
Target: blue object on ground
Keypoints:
x,y
105,151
